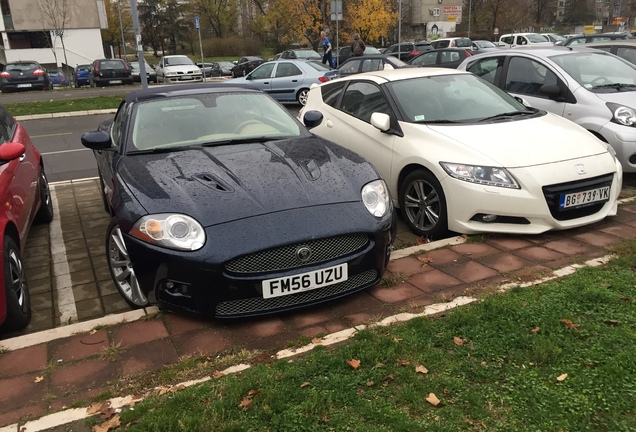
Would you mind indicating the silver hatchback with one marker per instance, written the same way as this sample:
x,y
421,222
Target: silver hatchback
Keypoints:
x,y
593,88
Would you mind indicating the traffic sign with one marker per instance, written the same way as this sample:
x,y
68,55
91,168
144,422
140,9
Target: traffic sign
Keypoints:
x,y
196,22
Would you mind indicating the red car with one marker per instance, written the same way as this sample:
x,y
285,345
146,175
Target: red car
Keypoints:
x,y
25,197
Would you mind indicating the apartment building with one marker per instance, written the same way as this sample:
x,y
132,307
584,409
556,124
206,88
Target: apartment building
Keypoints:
x,y
28,31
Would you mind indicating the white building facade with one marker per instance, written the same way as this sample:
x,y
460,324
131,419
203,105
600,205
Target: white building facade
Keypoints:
x,y
27,34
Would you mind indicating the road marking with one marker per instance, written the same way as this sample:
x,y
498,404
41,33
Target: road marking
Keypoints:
x,y
66,309
64,151
51,135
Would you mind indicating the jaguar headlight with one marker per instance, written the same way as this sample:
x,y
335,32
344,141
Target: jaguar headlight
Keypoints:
x,y
479,174
173,231
622,114
375,196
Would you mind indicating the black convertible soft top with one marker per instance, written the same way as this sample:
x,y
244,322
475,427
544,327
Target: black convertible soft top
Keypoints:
x,y
185,89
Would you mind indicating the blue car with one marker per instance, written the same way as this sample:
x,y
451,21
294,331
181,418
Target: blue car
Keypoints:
x,y
57,78
82,75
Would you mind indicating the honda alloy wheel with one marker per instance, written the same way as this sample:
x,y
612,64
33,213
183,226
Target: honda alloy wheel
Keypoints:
x,y
121,268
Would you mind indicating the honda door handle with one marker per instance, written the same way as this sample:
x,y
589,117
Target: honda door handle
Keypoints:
x,y
294,80
266,83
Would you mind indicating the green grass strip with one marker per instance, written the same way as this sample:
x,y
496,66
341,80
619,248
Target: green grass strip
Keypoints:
x,y
64,105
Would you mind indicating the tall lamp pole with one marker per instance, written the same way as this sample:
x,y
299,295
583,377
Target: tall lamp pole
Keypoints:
x,y
400,29
470,10
121,28
140,47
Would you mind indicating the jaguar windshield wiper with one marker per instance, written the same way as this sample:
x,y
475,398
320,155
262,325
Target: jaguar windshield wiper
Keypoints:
x,y
240,141
507,115
159,150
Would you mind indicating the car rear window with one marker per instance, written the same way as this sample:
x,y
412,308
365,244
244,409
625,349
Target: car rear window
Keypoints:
x,y
20,67
463,43
112,64
83,68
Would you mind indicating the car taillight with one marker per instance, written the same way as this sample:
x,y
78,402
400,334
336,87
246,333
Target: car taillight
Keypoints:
x,y
5,75
38,72
323,79
97,67
415,52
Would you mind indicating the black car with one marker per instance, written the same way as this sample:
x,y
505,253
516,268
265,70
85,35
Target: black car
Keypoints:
x,y
596,37
345,52
246,65
24,75
210,69
368,63
445,57
110,72
225,205
225,68
407,50
151,74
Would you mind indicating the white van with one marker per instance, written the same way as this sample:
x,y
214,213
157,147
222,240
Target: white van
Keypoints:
x,y
512,40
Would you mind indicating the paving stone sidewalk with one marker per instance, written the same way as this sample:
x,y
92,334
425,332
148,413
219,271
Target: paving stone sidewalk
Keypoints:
x,y
65,372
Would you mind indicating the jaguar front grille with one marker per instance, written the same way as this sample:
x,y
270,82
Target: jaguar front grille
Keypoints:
x,y
287,257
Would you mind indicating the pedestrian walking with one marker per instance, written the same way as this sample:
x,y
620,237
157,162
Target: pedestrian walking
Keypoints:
x,y
326,46
357,46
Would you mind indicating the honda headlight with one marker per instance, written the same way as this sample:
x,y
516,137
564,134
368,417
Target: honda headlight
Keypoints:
x,y
485,175
173,231
375,197
622,114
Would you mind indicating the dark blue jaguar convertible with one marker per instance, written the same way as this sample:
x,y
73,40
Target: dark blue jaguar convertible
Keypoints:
x,y
225,205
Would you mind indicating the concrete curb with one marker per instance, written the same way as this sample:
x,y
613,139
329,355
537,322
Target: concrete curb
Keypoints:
x,y
65,114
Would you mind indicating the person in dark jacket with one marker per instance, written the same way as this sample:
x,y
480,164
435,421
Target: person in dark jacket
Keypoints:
x,y
357,46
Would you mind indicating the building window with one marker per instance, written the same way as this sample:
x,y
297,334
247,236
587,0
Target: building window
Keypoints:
x,y
6,14
26,40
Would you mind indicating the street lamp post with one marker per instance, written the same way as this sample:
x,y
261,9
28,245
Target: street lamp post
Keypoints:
x,y
400,29
470,10
140,47
121,28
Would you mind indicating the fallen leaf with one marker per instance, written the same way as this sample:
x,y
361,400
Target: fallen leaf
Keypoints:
x,y
471,346
360,391
92,332
535,330
218,375
432,399
245,403
112,423
354,363
370,383
402,363
316,341
38,379
253,393
625,299
397,340
562,377
305,384
569,324
458,341
612,322
97,407
423,240
163,391
421,369
177,388
181,425
424,259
